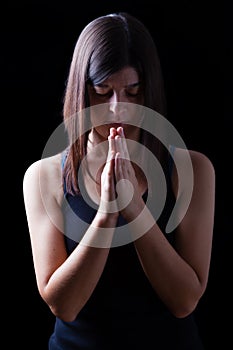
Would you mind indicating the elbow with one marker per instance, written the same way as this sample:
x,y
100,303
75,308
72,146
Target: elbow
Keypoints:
x,y
185,306
63,313
183,310
187,302
60,308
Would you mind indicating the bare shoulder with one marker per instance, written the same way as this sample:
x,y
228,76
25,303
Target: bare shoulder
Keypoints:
x,y
45,174
46,167
199,160
196,162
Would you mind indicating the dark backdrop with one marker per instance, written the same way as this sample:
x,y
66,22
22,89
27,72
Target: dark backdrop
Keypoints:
x,y
195,46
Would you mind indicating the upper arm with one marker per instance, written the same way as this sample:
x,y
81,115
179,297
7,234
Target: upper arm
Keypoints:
x,y
195,231
45,222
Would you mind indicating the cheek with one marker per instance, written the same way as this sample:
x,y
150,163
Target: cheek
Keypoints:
x,y
99,114
103,131
93,101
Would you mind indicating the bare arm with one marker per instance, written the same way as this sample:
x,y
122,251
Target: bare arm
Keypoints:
x,y
64,282
179,275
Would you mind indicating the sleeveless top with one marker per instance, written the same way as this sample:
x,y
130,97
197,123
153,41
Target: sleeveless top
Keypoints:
x,y
123,311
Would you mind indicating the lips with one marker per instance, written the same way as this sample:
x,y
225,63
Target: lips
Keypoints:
x,y
115,125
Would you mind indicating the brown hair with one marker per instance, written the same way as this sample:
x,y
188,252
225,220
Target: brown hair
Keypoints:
x,y
107,44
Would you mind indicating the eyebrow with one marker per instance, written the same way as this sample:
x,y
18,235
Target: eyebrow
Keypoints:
x,y
126,86
134,84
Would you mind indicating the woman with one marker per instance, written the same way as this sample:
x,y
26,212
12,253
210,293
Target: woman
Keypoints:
x,y
103,260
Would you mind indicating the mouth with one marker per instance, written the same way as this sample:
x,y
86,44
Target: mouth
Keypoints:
x,y
115,125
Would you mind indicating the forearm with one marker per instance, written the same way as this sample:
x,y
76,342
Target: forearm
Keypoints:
x,y
72,284
173,279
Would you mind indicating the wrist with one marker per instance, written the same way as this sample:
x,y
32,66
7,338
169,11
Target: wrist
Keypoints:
x,y
142,223
132,211
103,219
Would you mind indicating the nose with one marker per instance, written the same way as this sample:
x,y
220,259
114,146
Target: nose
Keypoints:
x,y
115,105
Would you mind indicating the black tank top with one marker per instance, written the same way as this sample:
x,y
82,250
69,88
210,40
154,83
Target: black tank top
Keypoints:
x,y
124,311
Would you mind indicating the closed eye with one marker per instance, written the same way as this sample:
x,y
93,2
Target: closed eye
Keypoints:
x,y
133,89
103,90
133,92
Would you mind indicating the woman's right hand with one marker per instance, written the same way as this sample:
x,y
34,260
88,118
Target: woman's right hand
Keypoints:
x,y
108,204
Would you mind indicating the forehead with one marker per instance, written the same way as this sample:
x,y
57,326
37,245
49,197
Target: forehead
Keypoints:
x,y
124,77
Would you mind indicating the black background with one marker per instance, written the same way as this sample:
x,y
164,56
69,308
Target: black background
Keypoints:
x,y
194,40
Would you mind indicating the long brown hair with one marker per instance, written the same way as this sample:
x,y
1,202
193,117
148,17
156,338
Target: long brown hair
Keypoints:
x,y
106,45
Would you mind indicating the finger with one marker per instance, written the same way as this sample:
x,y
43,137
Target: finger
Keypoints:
x,y
118,168
121,147
113,132
120,131
111,148
107,184
110,169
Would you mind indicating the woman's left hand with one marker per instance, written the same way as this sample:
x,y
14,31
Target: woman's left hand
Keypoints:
x,y
129,198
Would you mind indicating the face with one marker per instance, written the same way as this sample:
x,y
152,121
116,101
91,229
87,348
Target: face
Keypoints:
x,y
115,102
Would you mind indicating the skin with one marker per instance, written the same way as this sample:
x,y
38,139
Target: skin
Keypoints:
x,y
179,276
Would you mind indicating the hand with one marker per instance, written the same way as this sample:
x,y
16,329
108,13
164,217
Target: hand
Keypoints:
x,y
108,203
129,199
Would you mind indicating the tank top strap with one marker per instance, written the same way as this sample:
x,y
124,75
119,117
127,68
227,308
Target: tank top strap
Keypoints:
x,y
63,160
171,159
